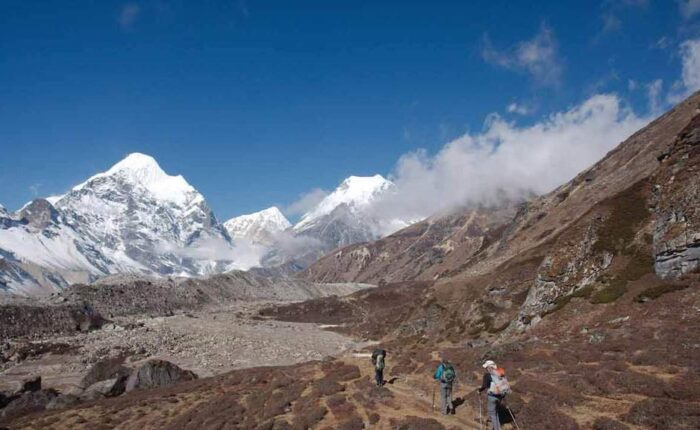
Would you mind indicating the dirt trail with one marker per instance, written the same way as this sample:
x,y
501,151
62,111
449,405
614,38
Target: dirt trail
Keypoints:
x,y
415,399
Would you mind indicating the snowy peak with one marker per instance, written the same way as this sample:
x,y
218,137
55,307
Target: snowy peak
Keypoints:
x,y
357,192
258,227
143,171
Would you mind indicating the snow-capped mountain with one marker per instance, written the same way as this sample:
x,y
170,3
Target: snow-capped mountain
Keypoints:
x,y
259,227
144,218
133,218
356,192
345,216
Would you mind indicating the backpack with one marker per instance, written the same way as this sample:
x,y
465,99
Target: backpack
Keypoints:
x,y
380,362
377,353
499,383
448,374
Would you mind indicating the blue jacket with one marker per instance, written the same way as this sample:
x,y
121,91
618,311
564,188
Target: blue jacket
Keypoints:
x,y
438,374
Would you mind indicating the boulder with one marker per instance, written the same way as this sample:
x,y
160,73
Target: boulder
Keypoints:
x,y
88,319
157,373
27,385
108,368
28,402
107,388
31,384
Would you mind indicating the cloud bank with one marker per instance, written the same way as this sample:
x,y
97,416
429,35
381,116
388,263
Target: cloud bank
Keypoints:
x,y
306,202
506,160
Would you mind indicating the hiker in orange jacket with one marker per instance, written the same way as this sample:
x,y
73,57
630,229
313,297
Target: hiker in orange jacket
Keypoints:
x,y
496,385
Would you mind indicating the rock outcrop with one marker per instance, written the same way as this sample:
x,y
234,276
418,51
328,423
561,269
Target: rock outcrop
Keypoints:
x,y
157,373
677,206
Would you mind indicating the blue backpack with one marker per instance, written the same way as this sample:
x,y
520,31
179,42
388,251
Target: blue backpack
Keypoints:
x,y
448,373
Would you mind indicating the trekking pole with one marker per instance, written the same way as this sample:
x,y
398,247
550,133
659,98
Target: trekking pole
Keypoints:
x,y
432,408
481,420
513,416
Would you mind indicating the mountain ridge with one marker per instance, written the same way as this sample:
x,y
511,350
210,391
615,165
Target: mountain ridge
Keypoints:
x,y
533,223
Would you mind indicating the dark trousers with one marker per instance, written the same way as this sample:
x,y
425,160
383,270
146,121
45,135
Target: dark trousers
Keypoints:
x,y
379,376
446,395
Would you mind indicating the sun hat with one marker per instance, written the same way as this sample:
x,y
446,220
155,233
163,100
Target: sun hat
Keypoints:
x,y
488,363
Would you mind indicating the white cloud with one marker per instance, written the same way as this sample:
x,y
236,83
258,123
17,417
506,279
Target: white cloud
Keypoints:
x,y
306,202
287,244
506,160
689,8
654,95
128,15
518,108
243,253
537,56
690,76
631,84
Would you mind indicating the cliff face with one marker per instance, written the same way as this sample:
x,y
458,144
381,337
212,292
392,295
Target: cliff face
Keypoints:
x,y
676,200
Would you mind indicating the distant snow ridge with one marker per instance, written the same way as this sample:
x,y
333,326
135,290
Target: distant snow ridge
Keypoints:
x,y
259,227
357,192
136,219
346,216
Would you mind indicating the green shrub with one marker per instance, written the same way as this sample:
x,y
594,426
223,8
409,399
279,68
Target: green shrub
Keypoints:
x,y
628,211
657,291
639,264
613,290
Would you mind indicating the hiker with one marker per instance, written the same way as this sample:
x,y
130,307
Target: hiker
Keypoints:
x,y
446,375
378,360
497,387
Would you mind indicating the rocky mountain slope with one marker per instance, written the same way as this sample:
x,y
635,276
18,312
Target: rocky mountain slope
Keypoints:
x,y
423,251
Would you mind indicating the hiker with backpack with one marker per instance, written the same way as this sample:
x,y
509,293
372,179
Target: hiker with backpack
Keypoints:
x,y
497,387
446,375
378,360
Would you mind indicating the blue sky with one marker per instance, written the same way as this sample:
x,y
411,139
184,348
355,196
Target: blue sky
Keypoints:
x,y
259,102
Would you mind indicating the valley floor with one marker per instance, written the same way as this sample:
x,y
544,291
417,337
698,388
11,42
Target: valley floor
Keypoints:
x,y
209,342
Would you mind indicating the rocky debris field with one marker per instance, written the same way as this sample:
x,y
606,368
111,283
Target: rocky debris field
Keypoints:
x,y
92,341
89,365
85,307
